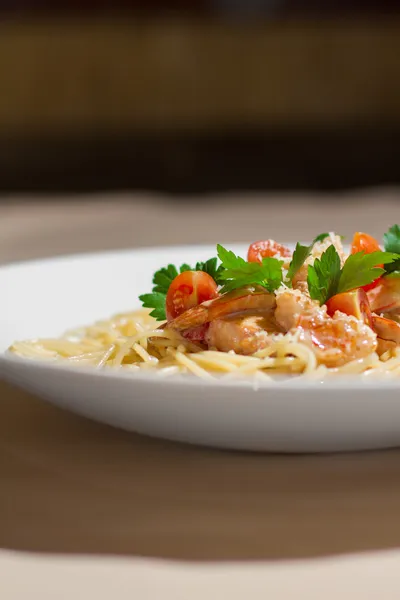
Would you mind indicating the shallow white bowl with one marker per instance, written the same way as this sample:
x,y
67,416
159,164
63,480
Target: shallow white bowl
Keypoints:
x,y
44,298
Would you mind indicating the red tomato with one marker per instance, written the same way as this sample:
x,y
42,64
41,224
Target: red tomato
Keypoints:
x,y
263,249
188,290
353,303
362,242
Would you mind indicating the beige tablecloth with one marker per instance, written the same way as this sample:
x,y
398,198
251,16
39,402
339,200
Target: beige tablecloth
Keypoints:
x,y
68,485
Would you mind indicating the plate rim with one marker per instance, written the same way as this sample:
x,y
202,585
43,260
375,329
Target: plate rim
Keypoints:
x,y
19,264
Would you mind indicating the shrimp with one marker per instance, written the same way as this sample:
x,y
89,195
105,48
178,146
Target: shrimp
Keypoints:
x,y
335,340
244,301
388,332
245,320
243,335
300,279
290,304
386,329
385,297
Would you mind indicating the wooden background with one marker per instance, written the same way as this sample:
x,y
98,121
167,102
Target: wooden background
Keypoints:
x,y
101,102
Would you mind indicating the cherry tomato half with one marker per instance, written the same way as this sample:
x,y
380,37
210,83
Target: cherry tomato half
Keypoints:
x,y
353,303
362,242
259,250
187,290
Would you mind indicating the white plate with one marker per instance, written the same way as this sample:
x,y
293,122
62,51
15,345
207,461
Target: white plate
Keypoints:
x,y
44,298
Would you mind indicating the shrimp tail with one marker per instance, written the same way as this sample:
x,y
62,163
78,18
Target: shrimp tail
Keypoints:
x,y
194,317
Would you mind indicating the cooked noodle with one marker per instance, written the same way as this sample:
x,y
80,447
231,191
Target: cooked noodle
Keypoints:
x,y
135,342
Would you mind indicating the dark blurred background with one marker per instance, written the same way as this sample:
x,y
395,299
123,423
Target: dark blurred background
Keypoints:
x,y
190,96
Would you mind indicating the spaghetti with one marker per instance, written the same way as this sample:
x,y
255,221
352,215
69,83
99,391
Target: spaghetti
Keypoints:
x,y
313,312
133,342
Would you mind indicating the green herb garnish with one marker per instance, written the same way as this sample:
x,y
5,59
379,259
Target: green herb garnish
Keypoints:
x,y
210,267
163,278
300,256
321,237
326,278
324,275
156,300
393,275
238,273
391,241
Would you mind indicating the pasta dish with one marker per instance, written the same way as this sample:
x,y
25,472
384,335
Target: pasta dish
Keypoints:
x,y
316,311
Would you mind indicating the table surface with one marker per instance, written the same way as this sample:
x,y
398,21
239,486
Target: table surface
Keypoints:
x,y
71,485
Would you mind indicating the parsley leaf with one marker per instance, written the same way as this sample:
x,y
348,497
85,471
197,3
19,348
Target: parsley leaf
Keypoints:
x,y
323,275
361,269
156,300
185,267
210,267
301,254
326,278
320,238
391,241
228,259
239,273
162,279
